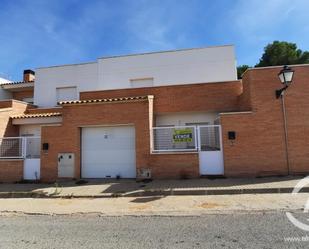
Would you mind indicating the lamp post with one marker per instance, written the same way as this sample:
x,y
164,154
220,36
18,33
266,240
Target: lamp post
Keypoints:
x,y
286,77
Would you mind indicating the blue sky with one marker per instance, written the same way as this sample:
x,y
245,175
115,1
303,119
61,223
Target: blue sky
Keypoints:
x,y
36,33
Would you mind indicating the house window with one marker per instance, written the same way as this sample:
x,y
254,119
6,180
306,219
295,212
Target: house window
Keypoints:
x,y
144,82
28,100
66,93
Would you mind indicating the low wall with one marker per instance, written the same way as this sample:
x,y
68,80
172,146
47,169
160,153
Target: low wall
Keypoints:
x,y
174,166
11,170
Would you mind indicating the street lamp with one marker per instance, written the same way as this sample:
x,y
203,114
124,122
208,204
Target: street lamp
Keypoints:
x,y
286,77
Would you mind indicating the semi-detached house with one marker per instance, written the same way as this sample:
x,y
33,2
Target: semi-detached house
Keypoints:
x,y
173,114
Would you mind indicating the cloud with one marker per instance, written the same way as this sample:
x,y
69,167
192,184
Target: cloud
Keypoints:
x,y
258,21
152,25
43,33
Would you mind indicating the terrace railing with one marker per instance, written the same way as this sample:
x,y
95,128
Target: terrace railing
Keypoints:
x,y
20,147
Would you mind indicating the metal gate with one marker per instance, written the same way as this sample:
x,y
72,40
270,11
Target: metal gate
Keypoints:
x,y
210,150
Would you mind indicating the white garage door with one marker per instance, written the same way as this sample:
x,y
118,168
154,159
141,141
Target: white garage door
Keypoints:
x,y
108,152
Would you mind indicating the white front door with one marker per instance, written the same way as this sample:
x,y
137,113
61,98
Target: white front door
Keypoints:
x,y
210,150
108,152
32,169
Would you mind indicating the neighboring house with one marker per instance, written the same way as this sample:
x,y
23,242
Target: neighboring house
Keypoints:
x,y
173,114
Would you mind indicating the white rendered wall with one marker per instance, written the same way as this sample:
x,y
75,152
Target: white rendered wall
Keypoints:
x,y
180,119
3,93
213,64
34,130
83,76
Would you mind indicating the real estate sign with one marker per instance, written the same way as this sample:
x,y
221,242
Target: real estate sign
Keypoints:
x,y
182,135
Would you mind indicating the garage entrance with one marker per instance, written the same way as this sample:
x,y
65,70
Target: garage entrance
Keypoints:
x,y
108,152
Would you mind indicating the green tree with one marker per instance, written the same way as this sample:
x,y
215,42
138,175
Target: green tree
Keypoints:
x,y
241,69
282,53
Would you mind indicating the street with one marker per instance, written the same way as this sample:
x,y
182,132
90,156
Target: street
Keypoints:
x,y
238,230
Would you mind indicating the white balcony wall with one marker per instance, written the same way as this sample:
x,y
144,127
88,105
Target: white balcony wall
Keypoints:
x,y
204,65
30,130
181,119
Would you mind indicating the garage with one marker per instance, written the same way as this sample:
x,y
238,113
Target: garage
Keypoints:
x,y
108,152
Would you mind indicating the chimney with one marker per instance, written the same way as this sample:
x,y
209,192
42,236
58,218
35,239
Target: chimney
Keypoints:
x,y
29,75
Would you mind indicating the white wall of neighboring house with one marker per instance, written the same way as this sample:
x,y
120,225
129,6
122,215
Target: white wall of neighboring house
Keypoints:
x,y
203,65
3,93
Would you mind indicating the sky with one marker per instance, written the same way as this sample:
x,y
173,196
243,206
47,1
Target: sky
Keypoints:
x,y
38,33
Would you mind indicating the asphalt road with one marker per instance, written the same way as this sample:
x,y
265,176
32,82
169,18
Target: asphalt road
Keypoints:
x,y
254,230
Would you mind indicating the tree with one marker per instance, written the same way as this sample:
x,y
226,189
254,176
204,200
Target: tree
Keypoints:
x,y
282,53
241,69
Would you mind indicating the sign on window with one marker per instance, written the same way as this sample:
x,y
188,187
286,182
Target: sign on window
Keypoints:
x,y
182,135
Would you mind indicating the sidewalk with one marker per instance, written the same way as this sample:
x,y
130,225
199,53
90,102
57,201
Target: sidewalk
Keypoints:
x,y
131,188
155,205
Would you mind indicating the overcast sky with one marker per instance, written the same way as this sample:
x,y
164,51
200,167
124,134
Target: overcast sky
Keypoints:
x,y
36,33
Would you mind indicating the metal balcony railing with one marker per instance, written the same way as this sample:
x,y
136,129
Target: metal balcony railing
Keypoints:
x,y
20,147
176,138
186,138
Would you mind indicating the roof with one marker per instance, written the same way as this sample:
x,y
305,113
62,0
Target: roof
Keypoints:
x,y
271,67
102,101
138,54
16,83
167,51
37,115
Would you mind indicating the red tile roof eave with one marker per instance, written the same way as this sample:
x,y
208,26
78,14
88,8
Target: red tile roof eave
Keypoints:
x,y
16,83
107,100
37,115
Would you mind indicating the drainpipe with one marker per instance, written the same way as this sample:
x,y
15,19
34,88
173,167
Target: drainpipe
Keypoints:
x,y
285,131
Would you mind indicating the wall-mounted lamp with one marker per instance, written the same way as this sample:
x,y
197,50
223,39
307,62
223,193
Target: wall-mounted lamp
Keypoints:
x,y
286,77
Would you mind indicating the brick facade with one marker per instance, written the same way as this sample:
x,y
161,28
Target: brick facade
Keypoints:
x,y
248,107
259,148
222,96
7,109
77,116
11,170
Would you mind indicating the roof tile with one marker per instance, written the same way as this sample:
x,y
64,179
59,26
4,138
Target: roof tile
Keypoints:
x,y
37,115
122,99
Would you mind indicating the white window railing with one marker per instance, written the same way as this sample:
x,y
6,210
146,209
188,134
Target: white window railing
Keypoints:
x,y
20,147
173,139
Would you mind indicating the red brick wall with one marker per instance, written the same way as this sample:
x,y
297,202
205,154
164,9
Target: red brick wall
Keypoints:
x,y
198,97
259,148
11,170
184,165
244,100
7,129
76,116
44,110
222,96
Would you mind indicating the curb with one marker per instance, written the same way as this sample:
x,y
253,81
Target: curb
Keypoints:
x,y
149,193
